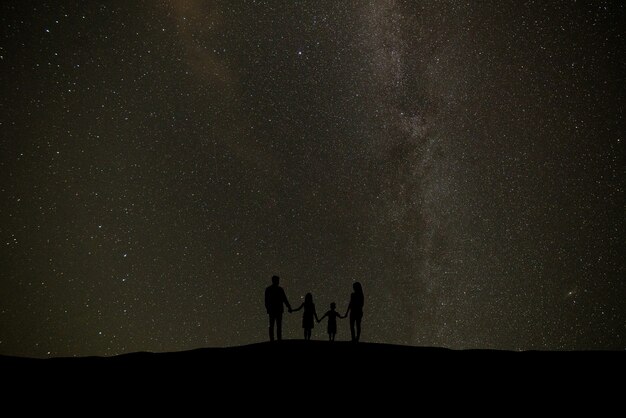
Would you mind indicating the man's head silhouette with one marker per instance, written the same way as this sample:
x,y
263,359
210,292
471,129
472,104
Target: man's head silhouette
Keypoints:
x,y
275,280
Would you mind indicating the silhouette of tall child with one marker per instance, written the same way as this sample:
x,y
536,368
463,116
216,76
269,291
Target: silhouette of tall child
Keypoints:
x,y
332,321
308,315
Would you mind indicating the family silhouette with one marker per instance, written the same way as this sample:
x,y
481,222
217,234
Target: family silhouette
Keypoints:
x,y
276,300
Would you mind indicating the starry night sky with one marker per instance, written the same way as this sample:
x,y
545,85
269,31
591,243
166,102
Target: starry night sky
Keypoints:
x,y
161,160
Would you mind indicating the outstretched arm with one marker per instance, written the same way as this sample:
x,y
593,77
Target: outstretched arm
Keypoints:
x,y
349,307
286,302
298,308
324,316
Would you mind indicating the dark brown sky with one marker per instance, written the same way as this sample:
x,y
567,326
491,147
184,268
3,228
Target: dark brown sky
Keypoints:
x,y
160,161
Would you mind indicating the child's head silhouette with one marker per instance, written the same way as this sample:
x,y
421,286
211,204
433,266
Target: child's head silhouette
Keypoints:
x,y
333,306
308,298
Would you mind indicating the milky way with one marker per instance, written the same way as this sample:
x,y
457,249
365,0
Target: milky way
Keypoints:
x,y
160,161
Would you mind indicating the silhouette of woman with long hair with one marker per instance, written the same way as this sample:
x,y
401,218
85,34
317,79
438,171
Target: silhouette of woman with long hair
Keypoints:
x,y
332,321
308,315
355,308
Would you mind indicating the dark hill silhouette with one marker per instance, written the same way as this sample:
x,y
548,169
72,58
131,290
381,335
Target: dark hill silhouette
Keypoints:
x,y
337,358
295,369
293,373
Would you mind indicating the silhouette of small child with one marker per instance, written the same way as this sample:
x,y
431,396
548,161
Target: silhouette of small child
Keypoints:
x,y
308,315
332,321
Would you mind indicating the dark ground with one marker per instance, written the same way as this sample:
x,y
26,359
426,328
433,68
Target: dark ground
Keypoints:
x,y
320,372
320,359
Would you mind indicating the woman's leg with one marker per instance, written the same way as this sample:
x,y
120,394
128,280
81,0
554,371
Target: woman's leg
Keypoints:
x,y
352,321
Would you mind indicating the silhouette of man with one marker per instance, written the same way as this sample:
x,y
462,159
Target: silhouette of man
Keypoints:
x,y
274,299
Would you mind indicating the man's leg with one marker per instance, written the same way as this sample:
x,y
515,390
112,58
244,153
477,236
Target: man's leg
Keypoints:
x,y
279,326
272,319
